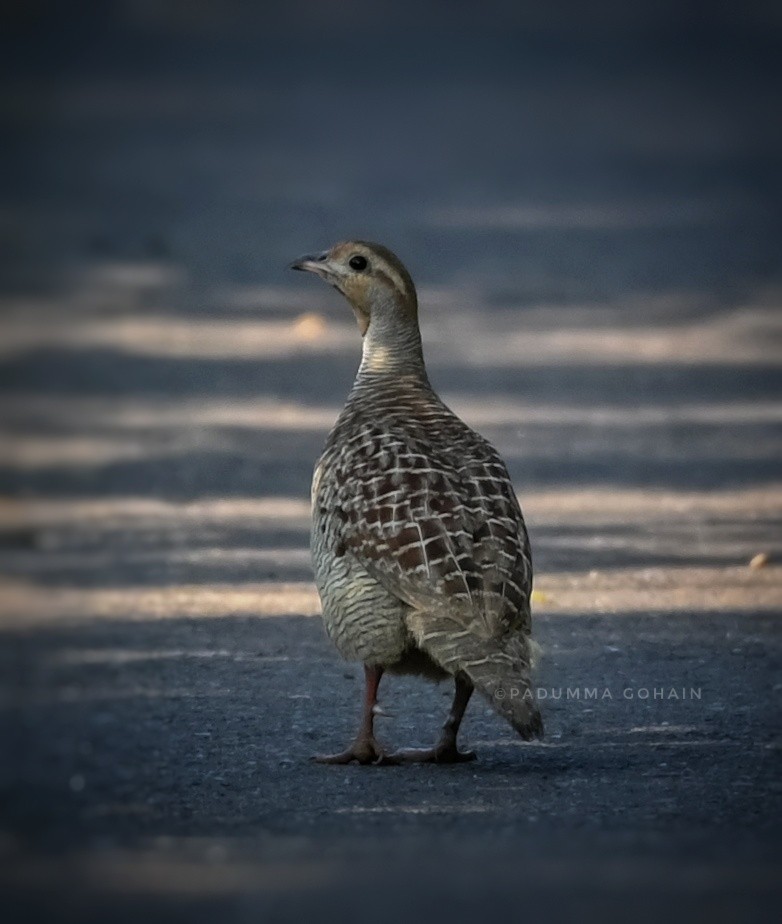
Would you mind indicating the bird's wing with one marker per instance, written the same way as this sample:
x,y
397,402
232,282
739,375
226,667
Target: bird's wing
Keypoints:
x,y
435,530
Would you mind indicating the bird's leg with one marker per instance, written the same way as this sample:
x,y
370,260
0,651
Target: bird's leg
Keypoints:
x,y
445,751
365,749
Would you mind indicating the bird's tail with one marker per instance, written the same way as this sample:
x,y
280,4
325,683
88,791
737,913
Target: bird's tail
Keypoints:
x,y
507,687
498,669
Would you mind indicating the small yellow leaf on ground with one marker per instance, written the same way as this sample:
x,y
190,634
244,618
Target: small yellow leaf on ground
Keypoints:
x,y
759,561
539,597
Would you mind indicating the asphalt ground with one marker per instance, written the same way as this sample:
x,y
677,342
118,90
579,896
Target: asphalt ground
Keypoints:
x,y
599,296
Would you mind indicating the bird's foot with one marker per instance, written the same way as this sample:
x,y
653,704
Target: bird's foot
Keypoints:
x,y
442,753
364,750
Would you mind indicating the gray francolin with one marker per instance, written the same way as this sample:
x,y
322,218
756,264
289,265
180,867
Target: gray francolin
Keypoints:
x,y
421,556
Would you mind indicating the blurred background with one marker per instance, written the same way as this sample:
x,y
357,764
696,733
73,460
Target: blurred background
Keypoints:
x,y
589,199
546,151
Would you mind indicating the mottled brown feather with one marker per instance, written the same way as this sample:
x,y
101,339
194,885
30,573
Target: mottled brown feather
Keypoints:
x,y
432,515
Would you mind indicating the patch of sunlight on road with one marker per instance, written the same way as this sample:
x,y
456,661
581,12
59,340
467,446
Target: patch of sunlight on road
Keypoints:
x,y
615,592
24,604
746,335
240,413
600,504
559,507
178,337
662,590
141,512
87,656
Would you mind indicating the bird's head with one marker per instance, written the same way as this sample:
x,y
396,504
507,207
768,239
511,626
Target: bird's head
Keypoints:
x,y
371,278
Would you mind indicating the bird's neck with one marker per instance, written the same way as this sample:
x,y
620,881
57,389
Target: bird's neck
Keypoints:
x,y
392,343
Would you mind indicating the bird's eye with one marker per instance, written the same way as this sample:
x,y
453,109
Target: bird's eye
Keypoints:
x,y
358,263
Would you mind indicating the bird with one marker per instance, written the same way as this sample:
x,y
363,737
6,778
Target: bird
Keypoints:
x,y
420,552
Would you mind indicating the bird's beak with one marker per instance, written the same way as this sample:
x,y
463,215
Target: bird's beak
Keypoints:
x,y
310,264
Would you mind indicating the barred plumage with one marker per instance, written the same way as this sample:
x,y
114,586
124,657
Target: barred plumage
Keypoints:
x,y
421,555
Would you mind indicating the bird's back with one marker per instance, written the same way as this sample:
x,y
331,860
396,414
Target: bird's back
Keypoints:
x,y
428,502
426,507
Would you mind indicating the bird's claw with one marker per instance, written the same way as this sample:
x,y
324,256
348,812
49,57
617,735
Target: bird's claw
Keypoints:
x,y
364,751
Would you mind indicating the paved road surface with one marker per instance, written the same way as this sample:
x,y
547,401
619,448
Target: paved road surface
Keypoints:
x,y
603,306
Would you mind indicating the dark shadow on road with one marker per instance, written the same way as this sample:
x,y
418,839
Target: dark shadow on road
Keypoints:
x,y
127,729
